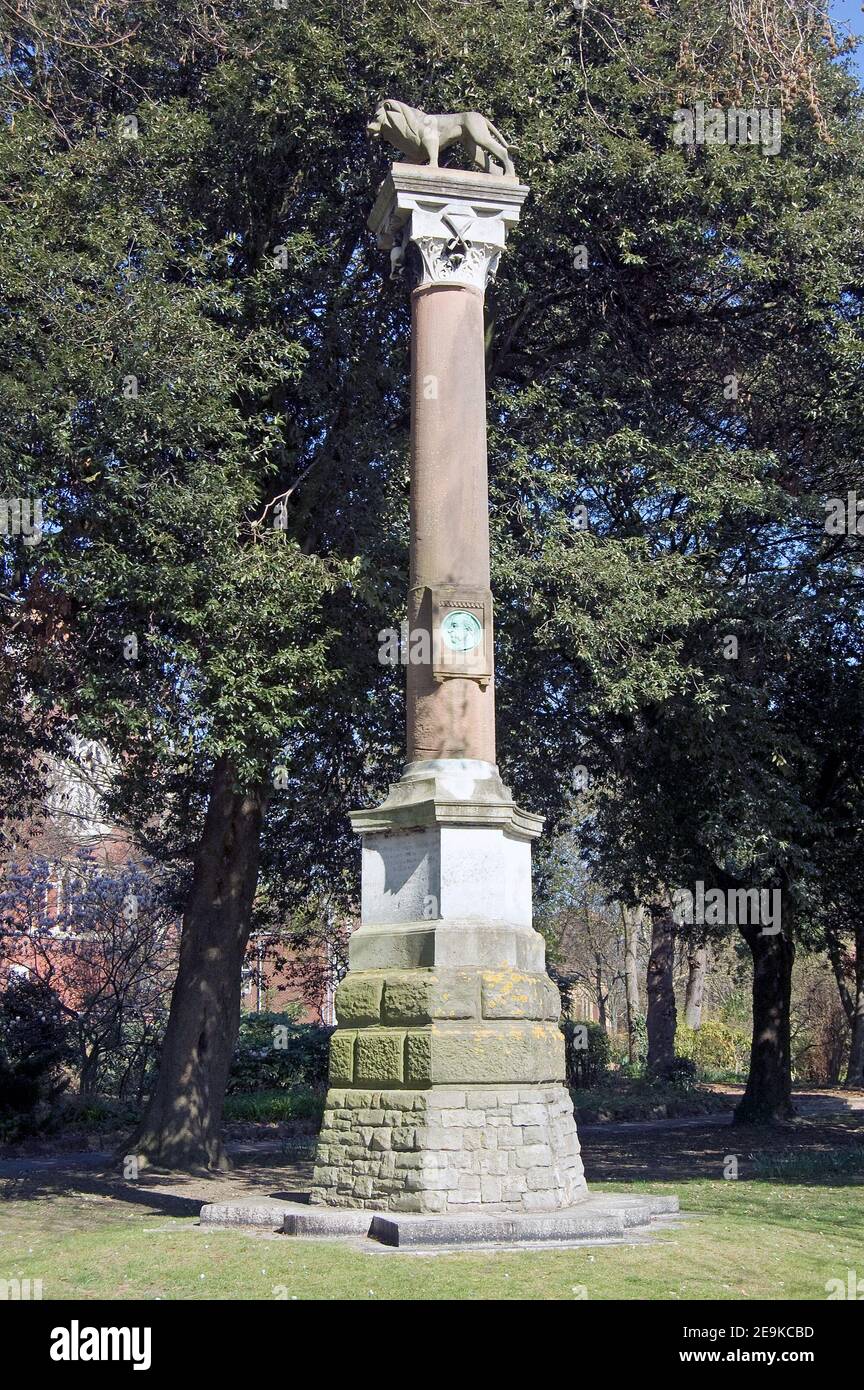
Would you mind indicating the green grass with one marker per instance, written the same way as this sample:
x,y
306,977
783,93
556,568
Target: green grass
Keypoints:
x,y
797,1167
749,1240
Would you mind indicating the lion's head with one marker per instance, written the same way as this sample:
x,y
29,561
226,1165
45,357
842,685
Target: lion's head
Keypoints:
x,y
399,124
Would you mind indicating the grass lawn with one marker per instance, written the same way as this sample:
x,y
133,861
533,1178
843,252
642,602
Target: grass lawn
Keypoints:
x,y
748,1240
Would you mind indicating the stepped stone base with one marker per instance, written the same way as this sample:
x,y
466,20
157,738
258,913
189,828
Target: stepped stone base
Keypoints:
x,y
602,1217
487,1149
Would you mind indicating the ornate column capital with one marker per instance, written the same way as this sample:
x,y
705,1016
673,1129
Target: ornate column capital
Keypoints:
x,y
456,221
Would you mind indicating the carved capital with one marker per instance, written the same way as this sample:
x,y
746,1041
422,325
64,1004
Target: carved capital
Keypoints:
x,y
447,226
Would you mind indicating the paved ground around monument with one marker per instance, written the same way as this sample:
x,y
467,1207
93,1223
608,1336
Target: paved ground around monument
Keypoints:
x,y
792,1221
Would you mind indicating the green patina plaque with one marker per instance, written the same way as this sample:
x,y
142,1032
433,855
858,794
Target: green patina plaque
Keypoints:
x,y
461,631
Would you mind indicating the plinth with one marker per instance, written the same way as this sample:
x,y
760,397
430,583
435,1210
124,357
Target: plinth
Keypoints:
x,y
447,1089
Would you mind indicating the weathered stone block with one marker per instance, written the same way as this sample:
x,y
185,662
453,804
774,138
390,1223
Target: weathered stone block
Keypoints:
x,y
539,1201
524,1051
482,1098
551,999
403,1160
342,1057
436,1137
512,994
510,1138
418,1059
379,1058
405,1137
358,999
406,998
456,994
533,1156
490,1188
530,1114
538,1179
452,1100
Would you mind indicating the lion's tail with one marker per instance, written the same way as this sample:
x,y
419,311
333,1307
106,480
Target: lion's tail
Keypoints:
x,y
500,138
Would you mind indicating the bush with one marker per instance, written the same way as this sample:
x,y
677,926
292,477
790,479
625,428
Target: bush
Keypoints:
x,y
643,1099
96,1114
632,1071
620,1050
587,1053
716,1048
34,1046
274,1053
680,1073
300,1103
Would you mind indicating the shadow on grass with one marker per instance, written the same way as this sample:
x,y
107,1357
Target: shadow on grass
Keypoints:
x,y
162,1194
806,1151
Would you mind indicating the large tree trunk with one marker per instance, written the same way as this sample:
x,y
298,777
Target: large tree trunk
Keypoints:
x,y
768,1097
181,1126
89,1073
697,961
661,1019
855,1069
851,999
601,998
631,919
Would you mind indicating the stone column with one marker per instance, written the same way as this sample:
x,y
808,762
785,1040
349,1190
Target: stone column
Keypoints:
x,y
447,1067
452,717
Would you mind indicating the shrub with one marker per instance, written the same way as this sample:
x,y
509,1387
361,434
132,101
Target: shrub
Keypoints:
x,y
680,1073
34,1046
274,1053
299,1103
587,1053
716,1047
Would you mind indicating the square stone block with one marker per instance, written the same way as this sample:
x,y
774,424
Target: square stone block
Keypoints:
x,y
407,998
455,994
379,1058
512,994
358,999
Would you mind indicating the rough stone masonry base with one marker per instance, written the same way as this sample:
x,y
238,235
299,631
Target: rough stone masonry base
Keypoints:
x,y
484,1148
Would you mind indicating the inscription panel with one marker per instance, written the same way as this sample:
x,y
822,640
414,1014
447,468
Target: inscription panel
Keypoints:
x,y
401,876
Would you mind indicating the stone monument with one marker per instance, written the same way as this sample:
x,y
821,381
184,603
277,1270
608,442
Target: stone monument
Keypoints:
x,y
447,1119
447,1085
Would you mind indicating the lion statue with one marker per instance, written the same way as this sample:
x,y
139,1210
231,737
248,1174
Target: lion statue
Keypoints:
x,y
418,135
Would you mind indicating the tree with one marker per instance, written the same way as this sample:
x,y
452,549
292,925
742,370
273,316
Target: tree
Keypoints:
x,y
205,374
581,927
666,613
697,967
631,922
105,948
661,1017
